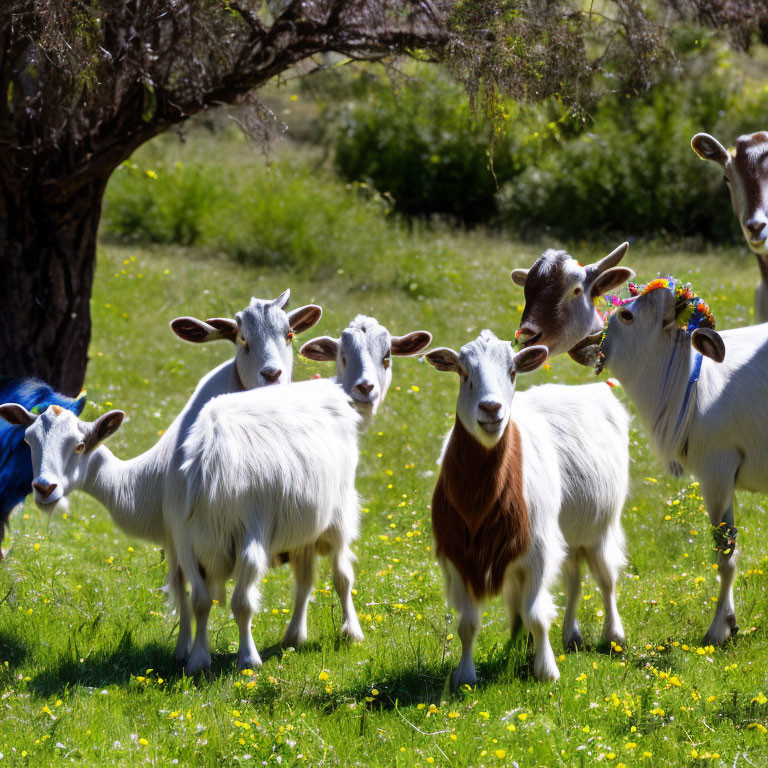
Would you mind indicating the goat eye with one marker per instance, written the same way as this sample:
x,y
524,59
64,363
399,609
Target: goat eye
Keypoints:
x,y
80,447
289,337
385,362
343,359
577,291
626,316
726,180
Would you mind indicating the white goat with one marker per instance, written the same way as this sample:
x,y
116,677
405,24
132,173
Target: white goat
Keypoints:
x,y
527,481
265,473
744,172
706,412
135,502
362,355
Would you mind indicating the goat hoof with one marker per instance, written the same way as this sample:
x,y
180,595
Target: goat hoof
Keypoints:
x,y
352,633
181,653
463,675
294,639
718,635
197,663
574,643
546,673
249,662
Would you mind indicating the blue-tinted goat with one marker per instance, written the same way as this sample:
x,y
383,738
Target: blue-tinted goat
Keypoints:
x,y
15,460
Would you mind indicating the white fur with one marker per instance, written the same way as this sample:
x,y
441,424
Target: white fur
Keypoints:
x,y
363,355
725,427
575,445
264,473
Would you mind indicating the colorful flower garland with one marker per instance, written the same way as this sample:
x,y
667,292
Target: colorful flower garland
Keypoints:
x,y
691,311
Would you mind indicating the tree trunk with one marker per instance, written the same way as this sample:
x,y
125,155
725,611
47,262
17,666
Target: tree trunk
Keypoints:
x,y
47,261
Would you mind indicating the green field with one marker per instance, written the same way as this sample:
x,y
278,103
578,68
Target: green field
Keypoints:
x,y
86,639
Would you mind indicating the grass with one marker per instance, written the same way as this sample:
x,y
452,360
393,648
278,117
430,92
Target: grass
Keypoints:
x,y
86,674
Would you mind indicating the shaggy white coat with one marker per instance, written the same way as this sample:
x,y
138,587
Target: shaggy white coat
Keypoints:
x,y
721,436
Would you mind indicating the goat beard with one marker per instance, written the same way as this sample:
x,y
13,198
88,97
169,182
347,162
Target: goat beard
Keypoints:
x,y
585,352
62,505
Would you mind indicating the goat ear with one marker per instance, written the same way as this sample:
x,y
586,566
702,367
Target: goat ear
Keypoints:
x,y
198,332
530,358
225,328
445,359
322,349
709,148
709,343
17,415
411,344
304,318
610,279
282,300
99,430
519,276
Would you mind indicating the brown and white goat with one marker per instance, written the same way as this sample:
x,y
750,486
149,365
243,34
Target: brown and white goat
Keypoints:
x,y
745,171
523,486
560,298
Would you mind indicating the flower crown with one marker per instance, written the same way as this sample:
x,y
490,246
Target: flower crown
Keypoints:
x,y
691,311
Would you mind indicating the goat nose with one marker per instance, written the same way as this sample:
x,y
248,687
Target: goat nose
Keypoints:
x,y
490,407
755,226
527,334
364,387
523,332
271,374
44,489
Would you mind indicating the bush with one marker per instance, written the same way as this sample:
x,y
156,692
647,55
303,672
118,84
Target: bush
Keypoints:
x,y
633,170
282,214
216,193
422,145
627,168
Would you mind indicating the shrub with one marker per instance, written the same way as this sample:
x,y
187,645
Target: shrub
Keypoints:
x,y
422,144
289,213
628,167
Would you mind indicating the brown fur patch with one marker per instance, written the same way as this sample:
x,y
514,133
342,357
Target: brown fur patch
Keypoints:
x,y
543,293
748,160
479,516
57,409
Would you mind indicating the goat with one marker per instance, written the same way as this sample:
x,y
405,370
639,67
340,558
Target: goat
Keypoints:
x,y
362,355
363,369
744,169
560,297
15,462
264,333
705,410
528,481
